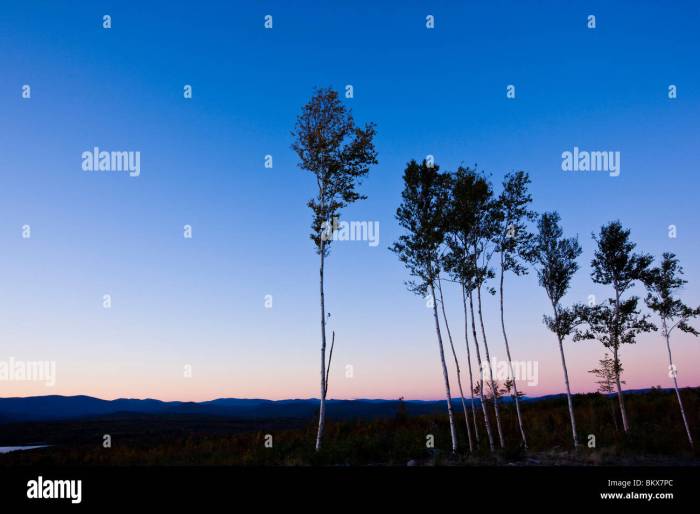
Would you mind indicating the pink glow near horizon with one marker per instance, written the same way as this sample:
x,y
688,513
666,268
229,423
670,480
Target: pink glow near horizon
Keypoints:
x,y
645,365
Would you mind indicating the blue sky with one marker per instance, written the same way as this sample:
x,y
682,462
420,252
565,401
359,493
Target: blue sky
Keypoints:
x,y
200,302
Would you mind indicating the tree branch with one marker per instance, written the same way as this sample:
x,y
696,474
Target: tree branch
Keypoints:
x,y
328,368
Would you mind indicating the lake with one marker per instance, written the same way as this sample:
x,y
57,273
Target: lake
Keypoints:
x,y
8,449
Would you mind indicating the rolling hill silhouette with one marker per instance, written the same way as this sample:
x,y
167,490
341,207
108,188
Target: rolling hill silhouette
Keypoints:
x,y
56,407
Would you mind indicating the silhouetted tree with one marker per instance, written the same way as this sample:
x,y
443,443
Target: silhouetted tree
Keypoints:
x,y
606,374
613,327
339,154
422,215
663,283
401,411
554,258
513,240
495,391
482,234
509,389
619,321
468,192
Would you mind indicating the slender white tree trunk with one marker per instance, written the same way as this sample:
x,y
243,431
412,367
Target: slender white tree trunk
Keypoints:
x,y
481,375
450,414
494,386
568,392
322,409
469,364
675,384
566,378
616,346
459,374
618,386
510,366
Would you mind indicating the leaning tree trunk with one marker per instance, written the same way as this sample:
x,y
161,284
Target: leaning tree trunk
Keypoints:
x,y
510,365
459,373
675,385
481,375
566,378
620,398
450,414
322,409
568,393
494,386
469,363
616,346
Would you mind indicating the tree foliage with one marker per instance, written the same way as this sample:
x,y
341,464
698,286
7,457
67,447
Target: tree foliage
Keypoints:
x,y
663,284
617,321
554,257
615,262
606,374
339,154
422,215
470,223
512,214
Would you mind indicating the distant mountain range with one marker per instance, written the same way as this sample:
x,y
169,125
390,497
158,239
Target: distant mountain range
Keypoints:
x,y
55,407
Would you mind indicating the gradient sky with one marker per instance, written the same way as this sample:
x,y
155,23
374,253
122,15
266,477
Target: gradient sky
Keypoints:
x,y
200,302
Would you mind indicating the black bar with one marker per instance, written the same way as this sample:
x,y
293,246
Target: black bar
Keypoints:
x,y
526,487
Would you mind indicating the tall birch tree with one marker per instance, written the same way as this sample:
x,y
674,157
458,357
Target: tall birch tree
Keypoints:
x,y
339,154
618,321
482,249
422,216
468,193
513,239
554,258
663,284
